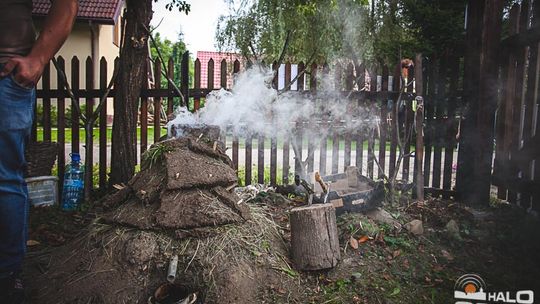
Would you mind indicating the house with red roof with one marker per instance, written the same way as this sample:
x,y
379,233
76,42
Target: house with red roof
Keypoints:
x,y
96,33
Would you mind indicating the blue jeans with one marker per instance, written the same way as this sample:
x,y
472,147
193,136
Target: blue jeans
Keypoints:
x,y
16,114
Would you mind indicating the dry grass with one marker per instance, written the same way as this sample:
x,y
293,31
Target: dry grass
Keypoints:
x,y
258,241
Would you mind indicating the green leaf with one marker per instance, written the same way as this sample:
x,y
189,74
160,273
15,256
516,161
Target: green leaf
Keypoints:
x,y
395,292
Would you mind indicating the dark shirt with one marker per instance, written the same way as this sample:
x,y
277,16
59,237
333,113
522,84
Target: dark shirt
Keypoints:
x,y
17,33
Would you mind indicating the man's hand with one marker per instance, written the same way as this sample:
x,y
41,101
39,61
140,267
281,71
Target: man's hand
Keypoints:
x,y
26,70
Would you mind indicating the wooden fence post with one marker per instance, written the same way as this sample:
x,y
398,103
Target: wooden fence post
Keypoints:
x,y
419,128
197,84
184,78
157,101
89,130
61,136
74,114
103,127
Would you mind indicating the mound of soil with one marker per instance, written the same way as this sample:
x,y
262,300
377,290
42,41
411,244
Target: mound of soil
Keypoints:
x,y
180,204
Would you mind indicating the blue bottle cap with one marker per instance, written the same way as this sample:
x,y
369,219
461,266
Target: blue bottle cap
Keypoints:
x,y
76,157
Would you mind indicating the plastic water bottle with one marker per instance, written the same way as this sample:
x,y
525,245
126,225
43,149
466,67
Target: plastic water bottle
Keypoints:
x,y
73,192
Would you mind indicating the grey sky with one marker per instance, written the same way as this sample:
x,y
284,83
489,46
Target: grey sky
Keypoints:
x,y
199,26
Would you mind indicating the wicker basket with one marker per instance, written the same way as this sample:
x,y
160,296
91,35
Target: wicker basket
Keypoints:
x,y
40,158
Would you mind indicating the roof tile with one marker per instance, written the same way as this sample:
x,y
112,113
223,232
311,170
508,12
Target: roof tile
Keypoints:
x,y
104,11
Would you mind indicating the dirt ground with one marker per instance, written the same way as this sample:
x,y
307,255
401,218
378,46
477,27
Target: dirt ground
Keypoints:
x,y
389,265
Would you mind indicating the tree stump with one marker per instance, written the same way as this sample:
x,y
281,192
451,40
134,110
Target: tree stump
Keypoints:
x,y
314,237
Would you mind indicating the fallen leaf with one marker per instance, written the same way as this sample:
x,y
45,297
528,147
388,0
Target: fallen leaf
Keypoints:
x,y
406,264
32,243
386,277
363,239
353,242
447,255
396,253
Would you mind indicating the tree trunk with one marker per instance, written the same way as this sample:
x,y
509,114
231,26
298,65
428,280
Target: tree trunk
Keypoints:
x,y
480,96
314,237
133,60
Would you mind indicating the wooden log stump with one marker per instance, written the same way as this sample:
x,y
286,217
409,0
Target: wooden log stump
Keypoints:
x,y
314,237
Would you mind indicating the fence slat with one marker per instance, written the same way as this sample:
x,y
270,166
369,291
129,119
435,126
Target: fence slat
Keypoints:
x,y
184,78
144,117
236,68
223,74
408,119
335,151
197,84
338,77
46,84
260,159
438,126
451,124
89,140
287,74
249,147
74,114
301,77
170,75
371,134
157,101
429,101
349,83
383,124
235,147
359,134
103,82
322,152
61,133
396,85
298,141
313,78
235,144
359,151
273,160
210,78
286,163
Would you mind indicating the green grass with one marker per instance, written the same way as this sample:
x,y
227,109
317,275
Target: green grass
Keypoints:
x,y
82,134
317,143
255,175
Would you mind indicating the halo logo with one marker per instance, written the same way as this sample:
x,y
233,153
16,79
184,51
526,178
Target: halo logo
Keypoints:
x,y
471,289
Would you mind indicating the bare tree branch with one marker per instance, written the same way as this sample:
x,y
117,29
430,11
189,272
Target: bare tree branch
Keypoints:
x,y
308,63
65,82
164,70
285,47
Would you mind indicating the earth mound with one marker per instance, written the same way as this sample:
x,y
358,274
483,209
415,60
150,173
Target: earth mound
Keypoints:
x,y
180,205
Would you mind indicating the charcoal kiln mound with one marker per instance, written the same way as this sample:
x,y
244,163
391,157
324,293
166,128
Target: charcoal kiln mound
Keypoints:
x,y
180,204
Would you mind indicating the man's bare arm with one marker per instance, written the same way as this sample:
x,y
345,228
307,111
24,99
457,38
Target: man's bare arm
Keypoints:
x,y
27,70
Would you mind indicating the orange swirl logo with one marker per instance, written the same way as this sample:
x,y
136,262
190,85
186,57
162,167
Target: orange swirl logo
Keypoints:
x,y
470,287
